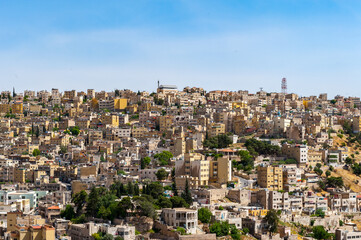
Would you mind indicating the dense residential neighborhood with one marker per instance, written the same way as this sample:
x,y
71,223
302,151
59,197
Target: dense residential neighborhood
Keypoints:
x,y
179,164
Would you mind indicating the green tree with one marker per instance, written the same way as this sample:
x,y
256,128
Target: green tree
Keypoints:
x,y
124,206
272,219
320,213
161,174
118,189
68,213
130,188
155,189
334,182
104,213
37,132
78,220
63,149
107,237
220,229
36,152
319,232
246,163
144,162
94,200
163,157
245,230
174,188
136,189
328,173
178,202
235,234
256,147
164,202
318,171
349,161
96,236
219,141
80,200
186,194
356,168
322,185
204,215
74,130
147,209
181,230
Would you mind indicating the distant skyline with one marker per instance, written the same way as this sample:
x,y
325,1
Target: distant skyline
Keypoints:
x,y
216,45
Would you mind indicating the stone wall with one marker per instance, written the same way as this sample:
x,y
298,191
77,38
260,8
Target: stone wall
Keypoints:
x,y
198,237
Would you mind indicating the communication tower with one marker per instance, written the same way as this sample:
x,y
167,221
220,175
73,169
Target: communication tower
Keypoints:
x,y
284,86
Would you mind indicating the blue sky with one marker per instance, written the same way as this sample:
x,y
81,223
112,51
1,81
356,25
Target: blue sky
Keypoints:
x,y
224,44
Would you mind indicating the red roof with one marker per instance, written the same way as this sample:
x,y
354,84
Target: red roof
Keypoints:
x,y
54,208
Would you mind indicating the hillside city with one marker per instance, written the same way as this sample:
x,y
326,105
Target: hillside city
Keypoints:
x,y
181,164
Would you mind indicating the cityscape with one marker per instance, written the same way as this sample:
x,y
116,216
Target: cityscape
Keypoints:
x,y
179,164
180,120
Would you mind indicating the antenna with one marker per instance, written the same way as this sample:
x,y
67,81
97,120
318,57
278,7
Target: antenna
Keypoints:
x,y
284,86
158,83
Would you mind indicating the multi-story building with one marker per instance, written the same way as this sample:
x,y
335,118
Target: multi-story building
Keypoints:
x,y
215,129
221,170
342,202
342,234
4,108
120,104
314,157
270,177
178,146
17,108
298,152
106,105
165,122
181,217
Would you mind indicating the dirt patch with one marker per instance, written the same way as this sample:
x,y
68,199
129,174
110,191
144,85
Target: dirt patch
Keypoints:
x,y
349,179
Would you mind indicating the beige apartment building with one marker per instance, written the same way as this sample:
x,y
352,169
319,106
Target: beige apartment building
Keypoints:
x,y
95,135
19,175
17,108
181,217
270,177
195,168
20,227
69,94
215,129
120,103
112,120
297,151
139,132
239,124
165,122
178,146
4,108
314,157
82,123
221,170
44,232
